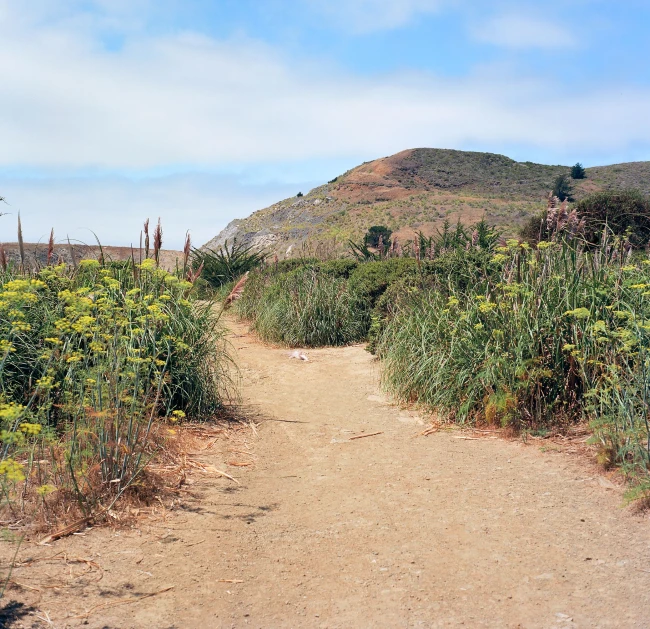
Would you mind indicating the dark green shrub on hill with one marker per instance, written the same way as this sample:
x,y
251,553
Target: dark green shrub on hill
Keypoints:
x,y
623,213
535,228
562,188
375,233
578,171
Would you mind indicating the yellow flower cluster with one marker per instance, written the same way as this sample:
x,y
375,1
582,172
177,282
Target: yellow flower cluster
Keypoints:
x,y
12,470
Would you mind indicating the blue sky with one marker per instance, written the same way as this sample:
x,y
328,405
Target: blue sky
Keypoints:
x,y
202,111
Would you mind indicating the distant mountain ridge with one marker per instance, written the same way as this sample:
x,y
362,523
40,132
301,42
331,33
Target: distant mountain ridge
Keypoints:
x,y
418,190
36,254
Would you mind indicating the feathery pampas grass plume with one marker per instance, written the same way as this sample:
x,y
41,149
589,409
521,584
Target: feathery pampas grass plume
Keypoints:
x,y
157,242
187,250
21,244
146,238
237,291
71,250
50,248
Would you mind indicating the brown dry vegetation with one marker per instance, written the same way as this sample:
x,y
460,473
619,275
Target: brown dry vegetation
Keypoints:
x,y
36,254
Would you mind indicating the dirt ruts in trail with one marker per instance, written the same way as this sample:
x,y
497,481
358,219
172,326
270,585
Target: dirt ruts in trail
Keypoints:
x,y
389,530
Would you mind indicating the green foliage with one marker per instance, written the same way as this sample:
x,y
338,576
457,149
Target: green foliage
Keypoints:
x,y
578,171
547,336
625,213
227,263
304,308
372,278
363,254
377,233
300,194
562,188
92,362
535,228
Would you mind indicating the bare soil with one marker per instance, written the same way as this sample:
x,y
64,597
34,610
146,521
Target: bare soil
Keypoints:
x,y
326,530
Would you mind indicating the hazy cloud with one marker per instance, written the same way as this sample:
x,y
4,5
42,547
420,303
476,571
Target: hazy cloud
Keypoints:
x,y
115,207
363,16
520,31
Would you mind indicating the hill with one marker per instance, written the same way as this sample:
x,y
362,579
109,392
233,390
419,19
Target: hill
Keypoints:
x,y
417,190
36,254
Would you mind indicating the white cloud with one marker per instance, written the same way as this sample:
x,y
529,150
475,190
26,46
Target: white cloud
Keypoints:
x,y
521,31
189,99
364,16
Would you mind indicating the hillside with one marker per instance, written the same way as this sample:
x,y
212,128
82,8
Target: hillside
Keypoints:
x,y
36,254
417,190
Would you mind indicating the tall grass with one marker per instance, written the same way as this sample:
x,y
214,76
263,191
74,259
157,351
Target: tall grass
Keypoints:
x,y
94,363
304,308
558,334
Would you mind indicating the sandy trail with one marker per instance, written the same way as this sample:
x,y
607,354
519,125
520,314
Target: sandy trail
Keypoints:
x,y
392,530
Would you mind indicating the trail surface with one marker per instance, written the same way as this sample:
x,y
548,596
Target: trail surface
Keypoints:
x,y
390,530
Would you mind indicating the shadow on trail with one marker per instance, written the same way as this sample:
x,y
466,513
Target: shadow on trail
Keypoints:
x,y
12,612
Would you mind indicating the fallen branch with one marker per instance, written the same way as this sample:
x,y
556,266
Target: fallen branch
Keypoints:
x,y
372,434
71,528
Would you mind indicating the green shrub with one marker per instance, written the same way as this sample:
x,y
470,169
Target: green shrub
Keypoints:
x,y
371,279
226,264
535,228
562,188
304,308
92,362
578,171
375,233
562,334
625,213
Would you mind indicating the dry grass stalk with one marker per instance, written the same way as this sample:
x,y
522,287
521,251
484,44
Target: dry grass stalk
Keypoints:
x,y
50,248
187,250
237,291
21,244
72,258
192,276
146,238
3,258
157,242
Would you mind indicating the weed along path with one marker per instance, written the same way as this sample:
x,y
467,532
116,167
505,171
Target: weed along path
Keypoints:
x,y
345,515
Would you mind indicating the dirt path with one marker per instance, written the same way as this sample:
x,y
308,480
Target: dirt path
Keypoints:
x,y
392,530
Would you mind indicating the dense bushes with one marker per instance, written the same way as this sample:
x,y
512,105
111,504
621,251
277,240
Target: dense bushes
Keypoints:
x,y
305,307
625,213
92,362
622,213
559,334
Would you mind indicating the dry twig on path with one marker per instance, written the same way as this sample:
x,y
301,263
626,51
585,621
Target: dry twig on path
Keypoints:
x,y
372,434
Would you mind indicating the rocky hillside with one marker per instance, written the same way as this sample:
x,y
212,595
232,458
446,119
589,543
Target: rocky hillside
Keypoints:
x,y
417,190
